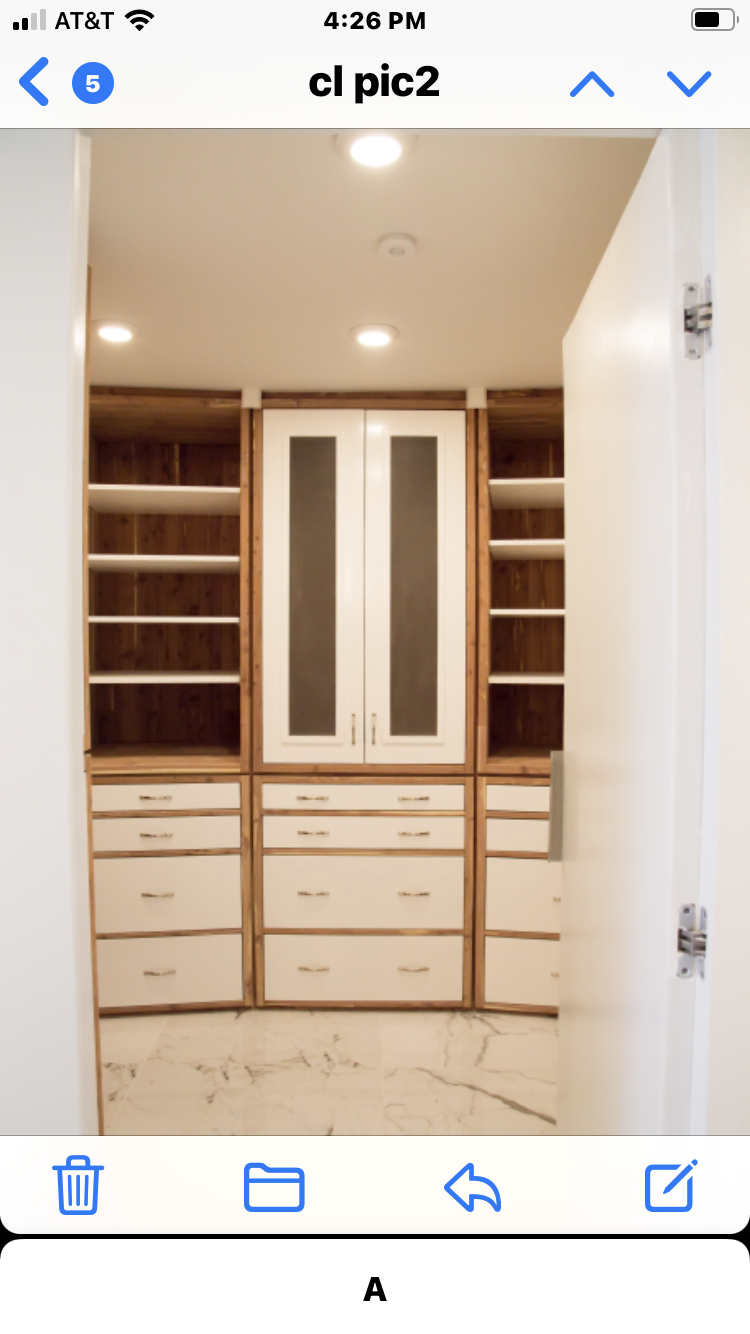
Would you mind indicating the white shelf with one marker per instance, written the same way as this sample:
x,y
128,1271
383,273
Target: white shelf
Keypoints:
x,y
164,620
527,679
552,548
527,493
527,611
130,499
166,564
157,678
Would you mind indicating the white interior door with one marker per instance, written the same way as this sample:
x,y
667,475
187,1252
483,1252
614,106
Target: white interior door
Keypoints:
x,y
415,588
635,647
313,586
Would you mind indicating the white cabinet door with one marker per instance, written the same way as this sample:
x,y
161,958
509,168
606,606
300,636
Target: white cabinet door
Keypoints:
x,y
415,588
313,586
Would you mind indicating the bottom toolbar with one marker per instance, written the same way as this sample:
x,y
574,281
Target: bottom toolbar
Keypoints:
x,y
375,1186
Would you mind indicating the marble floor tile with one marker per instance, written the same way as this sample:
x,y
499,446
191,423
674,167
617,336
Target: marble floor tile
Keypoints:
x,y
332,1072
126,1042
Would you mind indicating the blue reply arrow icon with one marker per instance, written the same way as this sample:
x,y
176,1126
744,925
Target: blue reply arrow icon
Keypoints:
x,y
461,1190
27,85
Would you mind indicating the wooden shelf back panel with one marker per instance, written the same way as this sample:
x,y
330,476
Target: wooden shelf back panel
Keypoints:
x,y
523,716
527,583
164,534
526,524
186,648
193,715
527,644
131,593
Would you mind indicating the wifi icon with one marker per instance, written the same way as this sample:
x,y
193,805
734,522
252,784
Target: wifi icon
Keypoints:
x,y
139,17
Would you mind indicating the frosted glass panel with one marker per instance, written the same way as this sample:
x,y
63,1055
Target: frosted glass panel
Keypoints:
x,y
312,586
414,585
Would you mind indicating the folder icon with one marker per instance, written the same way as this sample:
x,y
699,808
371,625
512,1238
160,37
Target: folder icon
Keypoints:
x,y
274,1190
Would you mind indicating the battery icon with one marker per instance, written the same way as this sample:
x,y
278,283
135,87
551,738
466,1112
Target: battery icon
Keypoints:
x,y
714,20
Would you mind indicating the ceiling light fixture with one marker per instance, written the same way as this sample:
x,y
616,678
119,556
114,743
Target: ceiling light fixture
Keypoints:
x,y
397,245
114,331
374,335
377,148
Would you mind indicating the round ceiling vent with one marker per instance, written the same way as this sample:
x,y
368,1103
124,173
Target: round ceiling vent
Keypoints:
x,y
397,245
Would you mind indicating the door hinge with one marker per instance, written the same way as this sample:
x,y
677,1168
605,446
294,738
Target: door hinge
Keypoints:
x,y
691,942
698,313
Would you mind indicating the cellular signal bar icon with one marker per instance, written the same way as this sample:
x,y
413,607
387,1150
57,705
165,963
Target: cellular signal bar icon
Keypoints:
x,y
30,24
139,18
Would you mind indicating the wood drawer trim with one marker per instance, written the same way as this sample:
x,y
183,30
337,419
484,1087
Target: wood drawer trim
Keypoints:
x,y
152,935
525,935
517,815
164,814
339,814
352,931
371,852
507,1008
172,852
536,856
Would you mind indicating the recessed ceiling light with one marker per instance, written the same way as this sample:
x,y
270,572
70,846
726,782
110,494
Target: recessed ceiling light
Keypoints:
x,y
397,246
374,335
378,148
114,331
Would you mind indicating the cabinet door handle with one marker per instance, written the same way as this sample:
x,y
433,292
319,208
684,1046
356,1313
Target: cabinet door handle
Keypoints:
x,y
156,835
301,968
153,972
414,893
414,833
556,900
313,893
354,729
142,797
554,974
313,833
374,724
313,798
414,798
401,969
146,895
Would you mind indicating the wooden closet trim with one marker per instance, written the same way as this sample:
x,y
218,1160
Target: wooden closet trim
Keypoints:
x,y
404,400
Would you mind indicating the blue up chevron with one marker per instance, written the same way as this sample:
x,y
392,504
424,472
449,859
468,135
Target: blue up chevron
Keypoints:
x,y
604,87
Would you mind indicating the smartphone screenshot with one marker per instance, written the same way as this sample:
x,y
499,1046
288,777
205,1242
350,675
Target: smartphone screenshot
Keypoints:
x,y
373,892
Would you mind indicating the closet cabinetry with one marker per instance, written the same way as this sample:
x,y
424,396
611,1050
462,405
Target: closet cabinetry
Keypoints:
x,y
518,898
171,890
362,603
363,891
521,584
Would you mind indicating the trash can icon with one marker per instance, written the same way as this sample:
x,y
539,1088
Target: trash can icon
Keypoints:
x,y
78,1185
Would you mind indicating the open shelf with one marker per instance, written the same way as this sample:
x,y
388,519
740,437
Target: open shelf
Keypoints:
x,y
138,563
164,620
527,679
522,493
129,498
551,549
526,611
161,678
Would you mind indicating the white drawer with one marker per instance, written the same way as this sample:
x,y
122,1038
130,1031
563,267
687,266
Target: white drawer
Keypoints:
x,y
517,797
517,835
167,894
385,893
405,834
521,972
170,970
402,797
523,894
179,833
321,969
165,796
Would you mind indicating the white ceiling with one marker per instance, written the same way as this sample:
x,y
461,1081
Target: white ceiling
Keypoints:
x,y
245,257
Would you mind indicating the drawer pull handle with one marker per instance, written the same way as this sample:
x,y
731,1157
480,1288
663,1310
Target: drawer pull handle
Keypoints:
x,y
412,833
374,725
401,969
156,835
414,798
313,833
313,893
149,798
303,969
153,972
313,798
414,893
168,895
354,729
554,974
556,899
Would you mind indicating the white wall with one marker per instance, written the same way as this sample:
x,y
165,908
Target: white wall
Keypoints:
x,y
47,1025
721,1103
